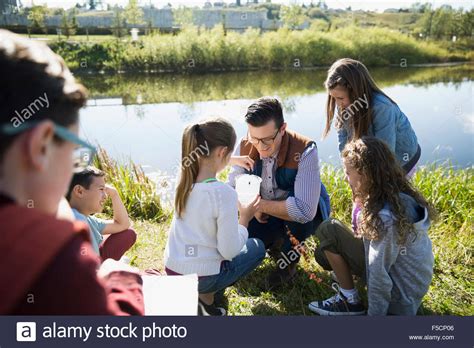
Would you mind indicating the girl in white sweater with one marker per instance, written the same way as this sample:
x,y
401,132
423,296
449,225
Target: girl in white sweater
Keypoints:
x,y
207,236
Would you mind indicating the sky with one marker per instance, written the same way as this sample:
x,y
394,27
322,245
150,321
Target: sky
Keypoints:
x,y
373,5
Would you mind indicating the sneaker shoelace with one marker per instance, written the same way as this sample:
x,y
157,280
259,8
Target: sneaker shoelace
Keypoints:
x,y
336,298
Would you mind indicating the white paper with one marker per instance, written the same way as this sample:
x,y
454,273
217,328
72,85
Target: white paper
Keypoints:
x,y
170,295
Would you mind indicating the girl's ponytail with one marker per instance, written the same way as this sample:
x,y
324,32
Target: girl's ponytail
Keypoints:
x,y
189,169
199,140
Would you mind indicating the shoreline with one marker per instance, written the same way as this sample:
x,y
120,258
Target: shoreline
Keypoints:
x,y
83,72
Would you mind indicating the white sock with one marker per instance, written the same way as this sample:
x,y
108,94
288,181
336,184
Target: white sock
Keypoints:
x,y
351,295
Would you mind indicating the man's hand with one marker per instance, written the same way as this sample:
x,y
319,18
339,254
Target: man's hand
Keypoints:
x,y
242,161
273,208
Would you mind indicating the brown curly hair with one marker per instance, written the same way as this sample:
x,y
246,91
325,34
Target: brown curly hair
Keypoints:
x,y
384,180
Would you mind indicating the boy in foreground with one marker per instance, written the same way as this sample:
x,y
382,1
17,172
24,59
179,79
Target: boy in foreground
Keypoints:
x,y
44,260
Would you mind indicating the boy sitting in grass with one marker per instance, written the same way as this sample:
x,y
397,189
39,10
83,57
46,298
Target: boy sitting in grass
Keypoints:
x,y
87,195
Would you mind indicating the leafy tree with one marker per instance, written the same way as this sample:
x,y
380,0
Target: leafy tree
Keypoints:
x,y
69,24
118,23
292,16
133,13
463,23
427,21
467,21
317,13
37,17
419,7
442,24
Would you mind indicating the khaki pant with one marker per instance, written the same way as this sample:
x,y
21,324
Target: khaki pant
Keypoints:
x,y
335,237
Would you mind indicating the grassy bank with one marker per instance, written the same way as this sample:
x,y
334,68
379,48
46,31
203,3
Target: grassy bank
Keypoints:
x,y
194,50
450,190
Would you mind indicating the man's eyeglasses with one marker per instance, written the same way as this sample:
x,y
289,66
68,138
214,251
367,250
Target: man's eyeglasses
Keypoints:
x,y
265,141
82,155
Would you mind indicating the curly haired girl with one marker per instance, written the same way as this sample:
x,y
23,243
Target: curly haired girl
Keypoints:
x,y
389,246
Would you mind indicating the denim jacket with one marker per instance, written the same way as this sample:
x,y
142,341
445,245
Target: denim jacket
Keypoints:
x,y
389,124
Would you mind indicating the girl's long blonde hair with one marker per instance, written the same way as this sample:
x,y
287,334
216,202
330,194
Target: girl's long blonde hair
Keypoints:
x,y
356,79
383,181
199,140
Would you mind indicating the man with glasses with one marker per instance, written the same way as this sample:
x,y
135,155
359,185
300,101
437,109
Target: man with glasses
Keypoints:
x,y
294,201
48,266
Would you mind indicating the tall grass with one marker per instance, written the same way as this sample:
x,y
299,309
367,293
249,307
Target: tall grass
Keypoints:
x,y
197,50
137,191
450,190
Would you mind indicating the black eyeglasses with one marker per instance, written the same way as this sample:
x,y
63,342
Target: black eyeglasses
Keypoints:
x,y
265,141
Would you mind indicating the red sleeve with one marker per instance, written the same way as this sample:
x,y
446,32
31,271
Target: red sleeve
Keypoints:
x,y
70,286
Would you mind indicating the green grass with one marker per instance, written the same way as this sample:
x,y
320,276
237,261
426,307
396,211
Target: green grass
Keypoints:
x,y
194,50
451,292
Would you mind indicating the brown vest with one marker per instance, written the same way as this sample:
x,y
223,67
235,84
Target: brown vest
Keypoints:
x,y
292,147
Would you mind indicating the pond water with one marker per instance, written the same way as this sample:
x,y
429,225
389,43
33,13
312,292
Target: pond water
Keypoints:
x,y
141,117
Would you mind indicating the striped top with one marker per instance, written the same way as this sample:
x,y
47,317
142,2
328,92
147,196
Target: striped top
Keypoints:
x,y
303,206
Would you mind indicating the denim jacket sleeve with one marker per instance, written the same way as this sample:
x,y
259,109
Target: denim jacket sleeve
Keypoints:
x,y
342,138
384,122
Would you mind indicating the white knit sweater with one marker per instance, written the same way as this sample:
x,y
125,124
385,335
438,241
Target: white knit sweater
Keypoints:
x,y
207,233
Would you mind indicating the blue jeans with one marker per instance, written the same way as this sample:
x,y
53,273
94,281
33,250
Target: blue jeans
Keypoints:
x,y
251,255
